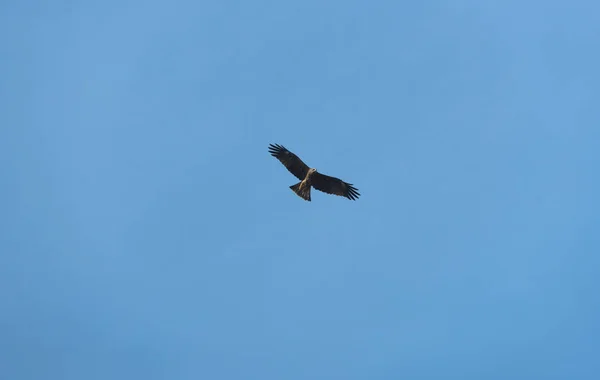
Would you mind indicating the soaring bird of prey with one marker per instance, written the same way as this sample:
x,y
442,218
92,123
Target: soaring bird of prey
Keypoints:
x,y
310,177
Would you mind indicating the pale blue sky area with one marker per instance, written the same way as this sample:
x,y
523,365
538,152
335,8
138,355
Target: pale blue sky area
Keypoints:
x,y
146,232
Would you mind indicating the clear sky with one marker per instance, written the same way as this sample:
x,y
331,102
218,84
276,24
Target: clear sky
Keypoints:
x,y
146,233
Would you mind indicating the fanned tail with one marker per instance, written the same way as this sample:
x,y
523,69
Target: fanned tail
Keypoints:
x,y
302,191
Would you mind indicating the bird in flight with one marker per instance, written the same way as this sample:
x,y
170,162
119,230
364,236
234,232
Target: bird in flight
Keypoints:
x,y
310,177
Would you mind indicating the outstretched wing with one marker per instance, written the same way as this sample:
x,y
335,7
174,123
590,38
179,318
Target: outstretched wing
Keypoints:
x,y
289,160
332,185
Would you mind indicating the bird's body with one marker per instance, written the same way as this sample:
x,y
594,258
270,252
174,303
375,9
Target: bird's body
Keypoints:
x,y
302,188
310,177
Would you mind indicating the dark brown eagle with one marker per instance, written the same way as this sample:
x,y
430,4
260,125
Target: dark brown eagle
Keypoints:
x,y
310,177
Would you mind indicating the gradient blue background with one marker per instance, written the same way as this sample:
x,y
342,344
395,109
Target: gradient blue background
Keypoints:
x,y
146,233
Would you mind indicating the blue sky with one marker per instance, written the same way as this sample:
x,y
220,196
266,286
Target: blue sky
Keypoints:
x,y
147,233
